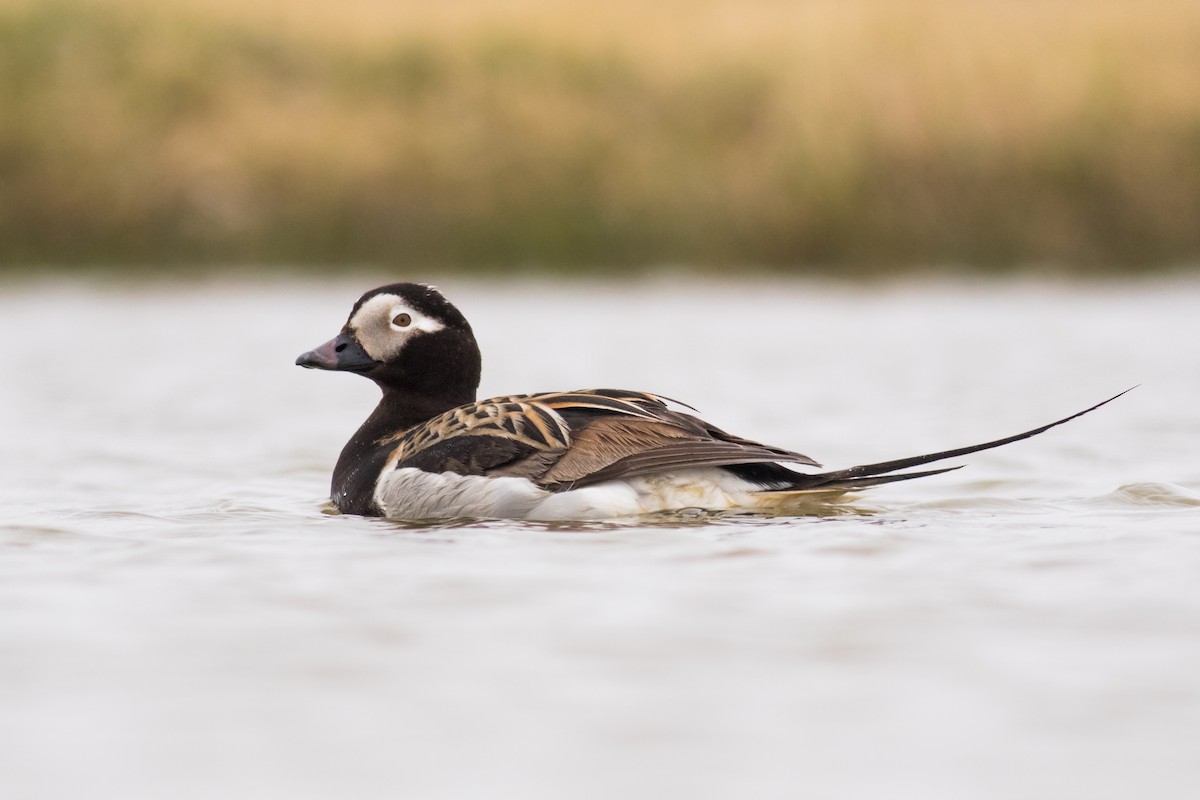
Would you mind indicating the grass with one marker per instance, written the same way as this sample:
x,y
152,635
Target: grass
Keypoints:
x,y
856,136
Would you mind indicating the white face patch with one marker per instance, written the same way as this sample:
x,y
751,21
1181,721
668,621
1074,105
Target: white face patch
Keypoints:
x,y
385,323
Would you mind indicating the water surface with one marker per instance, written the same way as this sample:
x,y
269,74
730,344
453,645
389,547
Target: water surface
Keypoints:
x,y
181,617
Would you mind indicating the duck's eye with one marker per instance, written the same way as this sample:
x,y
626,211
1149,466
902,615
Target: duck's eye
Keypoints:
x,y
402,320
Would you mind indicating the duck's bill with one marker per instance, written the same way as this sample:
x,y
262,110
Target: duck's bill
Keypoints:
x,y
341,353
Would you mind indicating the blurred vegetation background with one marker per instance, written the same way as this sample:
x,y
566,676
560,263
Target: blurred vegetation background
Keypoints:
x,y
854,136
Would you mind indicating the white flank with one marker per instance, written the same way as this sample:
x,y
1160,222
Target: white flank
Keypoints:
x,y
414,494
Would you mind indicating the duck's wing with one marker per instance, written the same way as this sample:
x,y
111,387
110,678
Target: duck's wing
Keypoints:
x,y
565,440
491,437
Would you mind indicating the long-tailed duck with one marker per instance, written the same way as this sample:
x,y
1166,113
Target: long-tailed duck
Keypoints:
x,y
431,450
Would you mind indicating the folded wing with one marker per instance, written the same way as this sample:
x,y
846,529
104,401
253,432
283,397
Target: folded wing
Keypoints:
x,y
567,440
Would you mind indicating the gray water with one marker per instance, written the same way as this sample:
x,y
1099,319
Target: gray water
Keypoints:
x,y
181,616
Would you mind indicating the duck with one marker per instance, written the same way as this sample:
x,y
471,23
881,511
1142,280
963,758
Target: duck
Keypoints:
x,y
431,450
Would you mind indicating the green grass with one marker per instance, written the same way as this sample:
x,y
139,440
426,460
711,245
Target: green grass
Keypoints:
x,y
856,137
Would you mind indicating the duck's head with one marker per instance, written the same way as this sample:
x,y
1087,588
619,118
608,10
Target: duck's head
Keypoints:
x,y
404,336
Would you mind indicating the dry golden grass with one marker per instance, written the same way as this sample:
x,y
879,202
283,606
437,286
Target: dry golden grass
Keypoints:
x,y
864,134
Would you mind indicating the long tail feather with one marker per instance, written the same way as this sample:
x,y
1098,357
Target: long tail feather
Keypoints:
x,y
872,474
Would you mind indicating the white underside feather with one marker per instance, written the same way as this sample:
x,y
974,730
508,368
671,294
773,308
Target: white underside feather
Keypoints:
x,y
414,494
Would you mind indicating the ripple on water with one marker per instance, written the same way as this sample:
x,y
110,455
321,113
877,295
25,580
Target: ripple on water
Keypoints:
x,y
1166,495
